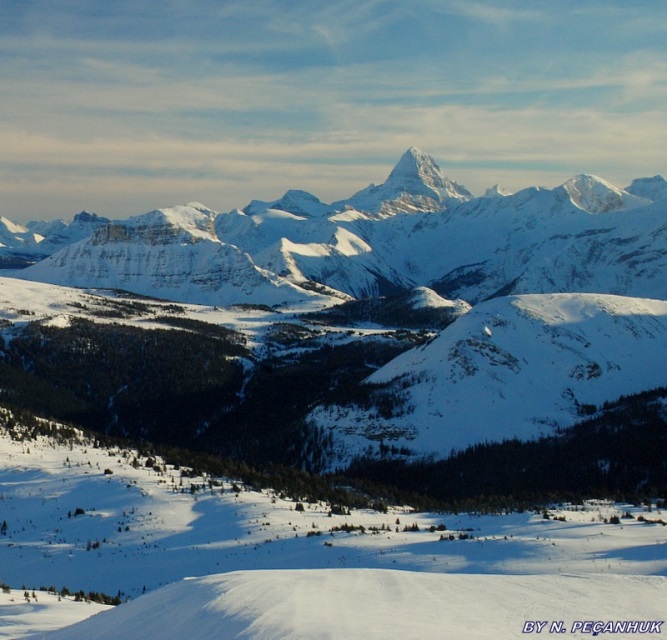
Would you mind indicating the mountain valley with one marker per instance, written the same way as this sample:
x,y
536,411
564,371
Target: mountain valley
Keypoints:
x,y
409,381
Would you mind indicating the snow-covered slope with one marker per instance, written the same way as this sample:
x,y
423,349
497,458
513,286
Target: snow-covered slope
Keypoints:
x,y
59,234
419,309
356,604
301,249
297,574
595,195
654,188
586,235
28,617
45,228
425,298
23,302
535,241
21,245
16,237
294,201
172,254
511,367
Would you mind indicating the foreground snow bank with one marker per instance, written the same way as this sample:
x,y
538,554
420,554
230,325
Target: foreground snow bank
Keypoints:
x,y
367,603
29,614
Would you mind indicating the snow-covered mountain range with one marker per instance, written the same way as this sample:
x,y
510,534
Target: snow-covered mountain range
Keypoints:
x,y
418,228
171,253
410,318
21,245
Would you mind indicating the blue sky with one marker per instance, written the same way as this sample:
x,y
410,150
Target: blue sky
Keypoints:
x,y
121,107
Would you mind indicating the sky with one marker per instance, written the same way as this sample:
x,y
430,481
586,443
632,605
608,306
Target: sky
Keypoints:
x,y
123,107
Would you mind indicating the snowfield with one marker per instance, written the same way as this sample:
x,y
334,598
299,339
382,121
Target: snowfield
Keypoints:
x,y
263,569
22,302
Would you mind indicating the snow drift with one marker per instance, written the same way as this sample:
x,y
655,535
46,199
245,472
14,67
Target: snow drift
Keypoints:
x,y
362,603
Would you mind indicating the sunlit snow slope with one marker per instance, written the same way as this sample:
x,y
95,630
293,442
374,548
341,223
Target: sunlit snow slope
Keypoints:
x,y
172,254
516,366
359,604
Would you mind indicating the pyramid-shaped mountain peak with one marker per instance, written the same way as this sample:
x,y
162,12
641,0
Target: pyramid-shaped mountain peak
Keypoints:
x,y
418,173
416,183
415,165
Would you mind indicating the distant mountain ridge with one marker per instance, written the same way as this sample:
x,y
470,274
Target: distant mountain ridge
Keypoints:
x,y
418,228
654,188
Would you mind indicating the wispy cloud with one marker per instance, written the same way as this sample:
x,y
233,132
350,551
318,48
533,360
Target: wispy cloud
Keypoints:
x,y
120,106
495,13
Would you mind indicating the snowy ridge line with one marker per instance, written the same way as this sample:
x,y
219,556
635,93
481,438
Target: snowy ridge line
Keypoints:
x,y
363,603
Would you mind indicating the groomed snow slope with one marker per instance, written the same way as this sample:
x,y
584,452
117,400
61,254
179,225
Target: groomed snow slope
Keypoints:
x,y
362,604
516,366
